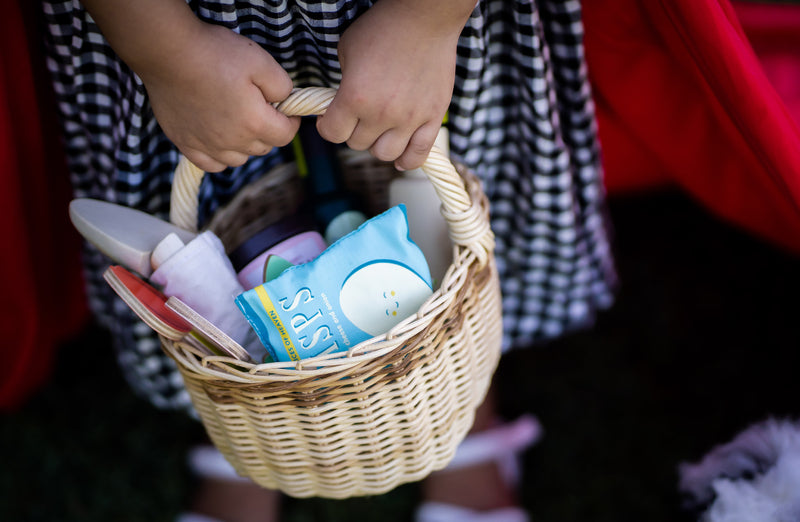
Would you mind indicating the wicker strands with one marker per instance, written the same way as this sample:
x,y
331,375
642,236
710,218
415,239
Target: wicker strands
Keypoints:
x,y
391,409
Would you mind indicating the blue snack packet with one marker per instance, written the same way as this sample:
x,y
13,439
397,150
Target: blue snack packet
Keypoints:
x,y
361,286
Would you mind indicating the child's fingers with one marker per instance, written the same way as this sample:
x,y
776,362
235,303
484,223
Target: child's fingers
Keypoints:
x,y
390,145
364,136
202,160
337,125
267,124
217,163
232,158
273,81
419,146
275,128
258,148
274,85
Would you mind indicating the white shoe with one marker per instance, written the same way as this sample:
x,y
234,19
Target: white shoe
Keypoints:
x,y
208,463
195,517
441,512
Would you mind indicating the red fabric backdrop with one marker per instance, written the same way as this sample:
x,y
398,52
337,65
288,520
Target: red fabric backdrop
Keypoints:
x,y
683,98
774,33
40,280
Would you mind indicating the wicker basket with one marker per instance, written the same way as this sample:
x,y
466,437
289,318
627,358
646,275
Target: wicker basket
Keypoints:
x,y
388,411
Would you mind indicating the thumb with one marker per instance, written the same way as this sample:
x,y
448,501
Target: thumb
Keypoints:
x,y
275,86
273,81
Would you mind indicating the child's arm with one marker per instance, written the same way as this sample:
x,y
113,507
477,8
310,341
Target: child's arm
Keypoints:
x,y
209,87
398,68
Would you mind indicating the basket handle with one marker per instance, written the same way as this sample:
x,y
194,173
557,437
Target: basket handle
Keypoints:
x,y
468,223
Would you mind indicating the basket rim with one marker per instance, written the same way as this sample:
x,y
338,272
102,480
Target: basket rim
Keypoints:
x,y
465,262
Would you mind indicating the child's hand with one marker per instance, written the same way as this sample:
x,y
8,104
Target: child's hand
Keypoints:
x,y
398,68
214,104
209,87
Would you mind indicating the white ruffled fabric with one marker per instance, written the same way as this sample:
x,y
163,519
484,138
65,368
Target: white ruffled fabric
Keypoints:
x,y
753,478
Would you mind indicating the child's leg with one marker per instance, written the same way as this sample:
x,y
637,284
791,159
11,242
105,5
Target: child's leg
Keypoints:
x,y
236,501
478,487
224,495
482,476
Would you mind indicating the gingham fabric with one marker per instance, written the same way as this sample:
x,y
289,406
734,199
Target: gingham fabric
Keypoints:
x,y
521,118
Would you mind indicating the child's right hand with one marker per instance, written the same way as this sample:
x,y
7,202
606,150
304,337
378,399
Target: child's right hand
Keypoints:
x,y
209,87
214,102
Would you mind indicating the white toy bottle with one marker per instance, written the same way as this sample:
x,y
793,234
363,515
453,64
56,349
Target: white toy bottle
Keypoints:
x,y
426,225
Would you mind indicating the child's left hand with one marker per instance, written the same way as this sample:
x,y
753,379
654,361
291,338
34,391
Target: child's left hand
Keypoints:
x,y
398,68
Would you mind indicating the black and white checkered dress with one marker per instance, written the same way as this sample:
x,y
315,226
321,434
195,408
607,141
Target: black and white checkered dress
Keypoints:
x,y
521,118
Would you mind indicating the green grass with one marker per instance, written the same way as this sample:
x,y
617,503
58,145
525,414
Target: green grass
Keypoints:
x,y
701,343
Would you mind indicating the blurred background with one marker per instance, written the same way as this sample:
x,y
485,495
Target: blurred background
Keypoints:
x,y
701,342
